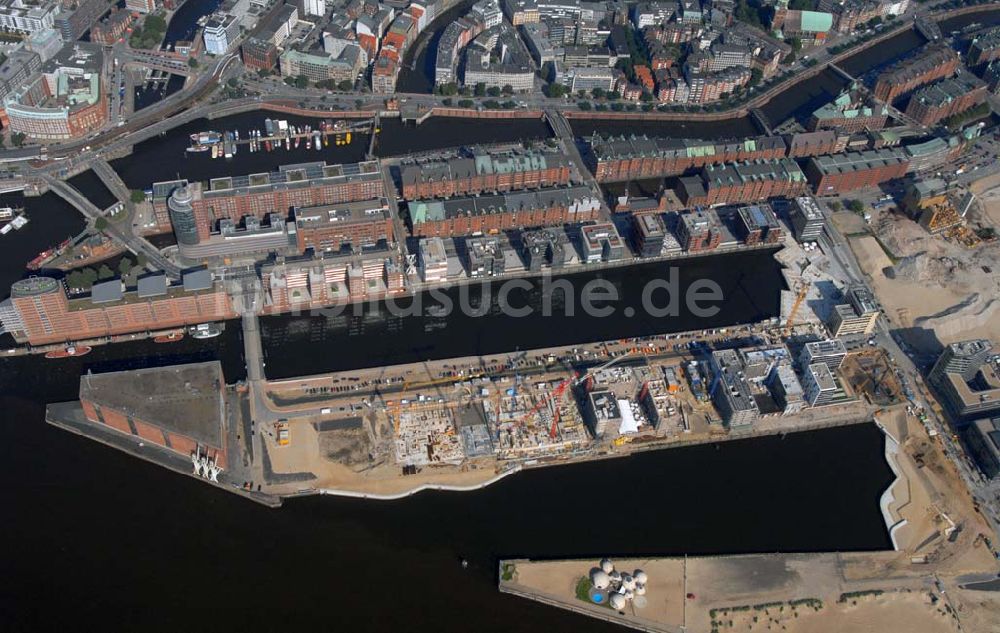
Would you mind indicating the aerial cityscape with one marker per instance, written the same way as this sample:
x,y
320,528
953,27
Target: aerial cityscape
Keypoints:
x,y
674,316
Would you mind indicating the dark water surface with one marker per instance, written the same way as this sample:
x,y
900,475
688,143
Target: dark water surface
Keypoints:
x,y
294,345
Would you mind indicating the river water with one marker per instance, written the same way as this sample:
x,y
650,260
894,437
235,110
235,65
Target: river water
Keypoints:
x,y
750,285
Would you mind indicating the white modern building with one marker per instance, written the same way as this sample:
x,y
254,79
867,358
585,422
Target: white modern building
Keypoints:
x,y
220,34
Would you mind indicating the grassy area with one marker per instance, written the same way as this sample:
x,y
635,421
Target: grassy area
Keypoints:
x,y
507,572
583,588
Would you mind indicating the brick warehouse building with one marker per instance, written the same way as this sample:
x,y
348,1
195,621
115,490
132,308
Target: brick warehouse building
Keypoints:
x,y
330,227
234,197
617,158
935,102
494,213
481,172
830,175
747,181
180,408
39,311
930,64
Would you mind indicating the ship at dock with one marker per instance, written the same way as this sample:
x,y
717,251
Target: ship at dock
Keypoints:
x,y
205,330
12,219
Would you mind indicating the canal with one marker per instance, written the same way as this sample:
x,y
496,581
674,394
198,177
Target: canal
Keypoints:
x,y
417,75
165,157
184,22
398,138
750,284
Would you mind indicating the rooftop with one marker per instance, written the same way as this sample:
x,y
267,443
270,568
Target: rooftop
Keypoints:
x,y
183,399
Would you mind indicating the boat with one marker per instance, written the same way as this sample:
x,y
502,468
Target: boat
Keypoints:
x,y
269,127
169,338
14,224
69,351
317,142
205,330
203,141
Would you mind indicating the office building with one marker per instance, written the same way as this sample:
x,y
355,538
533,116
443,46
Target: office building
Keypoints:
x,y
966,378
21,16
731,392
433,260
983,439
650,234
830,352
332,227
806,218
234,197
758,224
66,101
543,247
221,33
601,243
856,317
787,390
699,230
486,256
819,385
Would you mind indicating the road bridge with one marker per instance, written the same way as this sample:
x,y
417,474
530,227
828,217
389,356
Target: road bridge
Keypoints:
x,y
120,232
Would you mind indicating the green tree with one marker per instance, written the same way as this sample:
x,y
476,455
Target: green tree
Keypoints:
x,y
89,276
855,206
507,89
105,272
192,62
155,23
101,223
124,266
755,76
789,58
75,279
233,82
17,139
446,101
480,89
584,105
555,91
301,82
345,85
141,260
493,91
289,80
137,196
465,103
597,93
835,205
795,43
